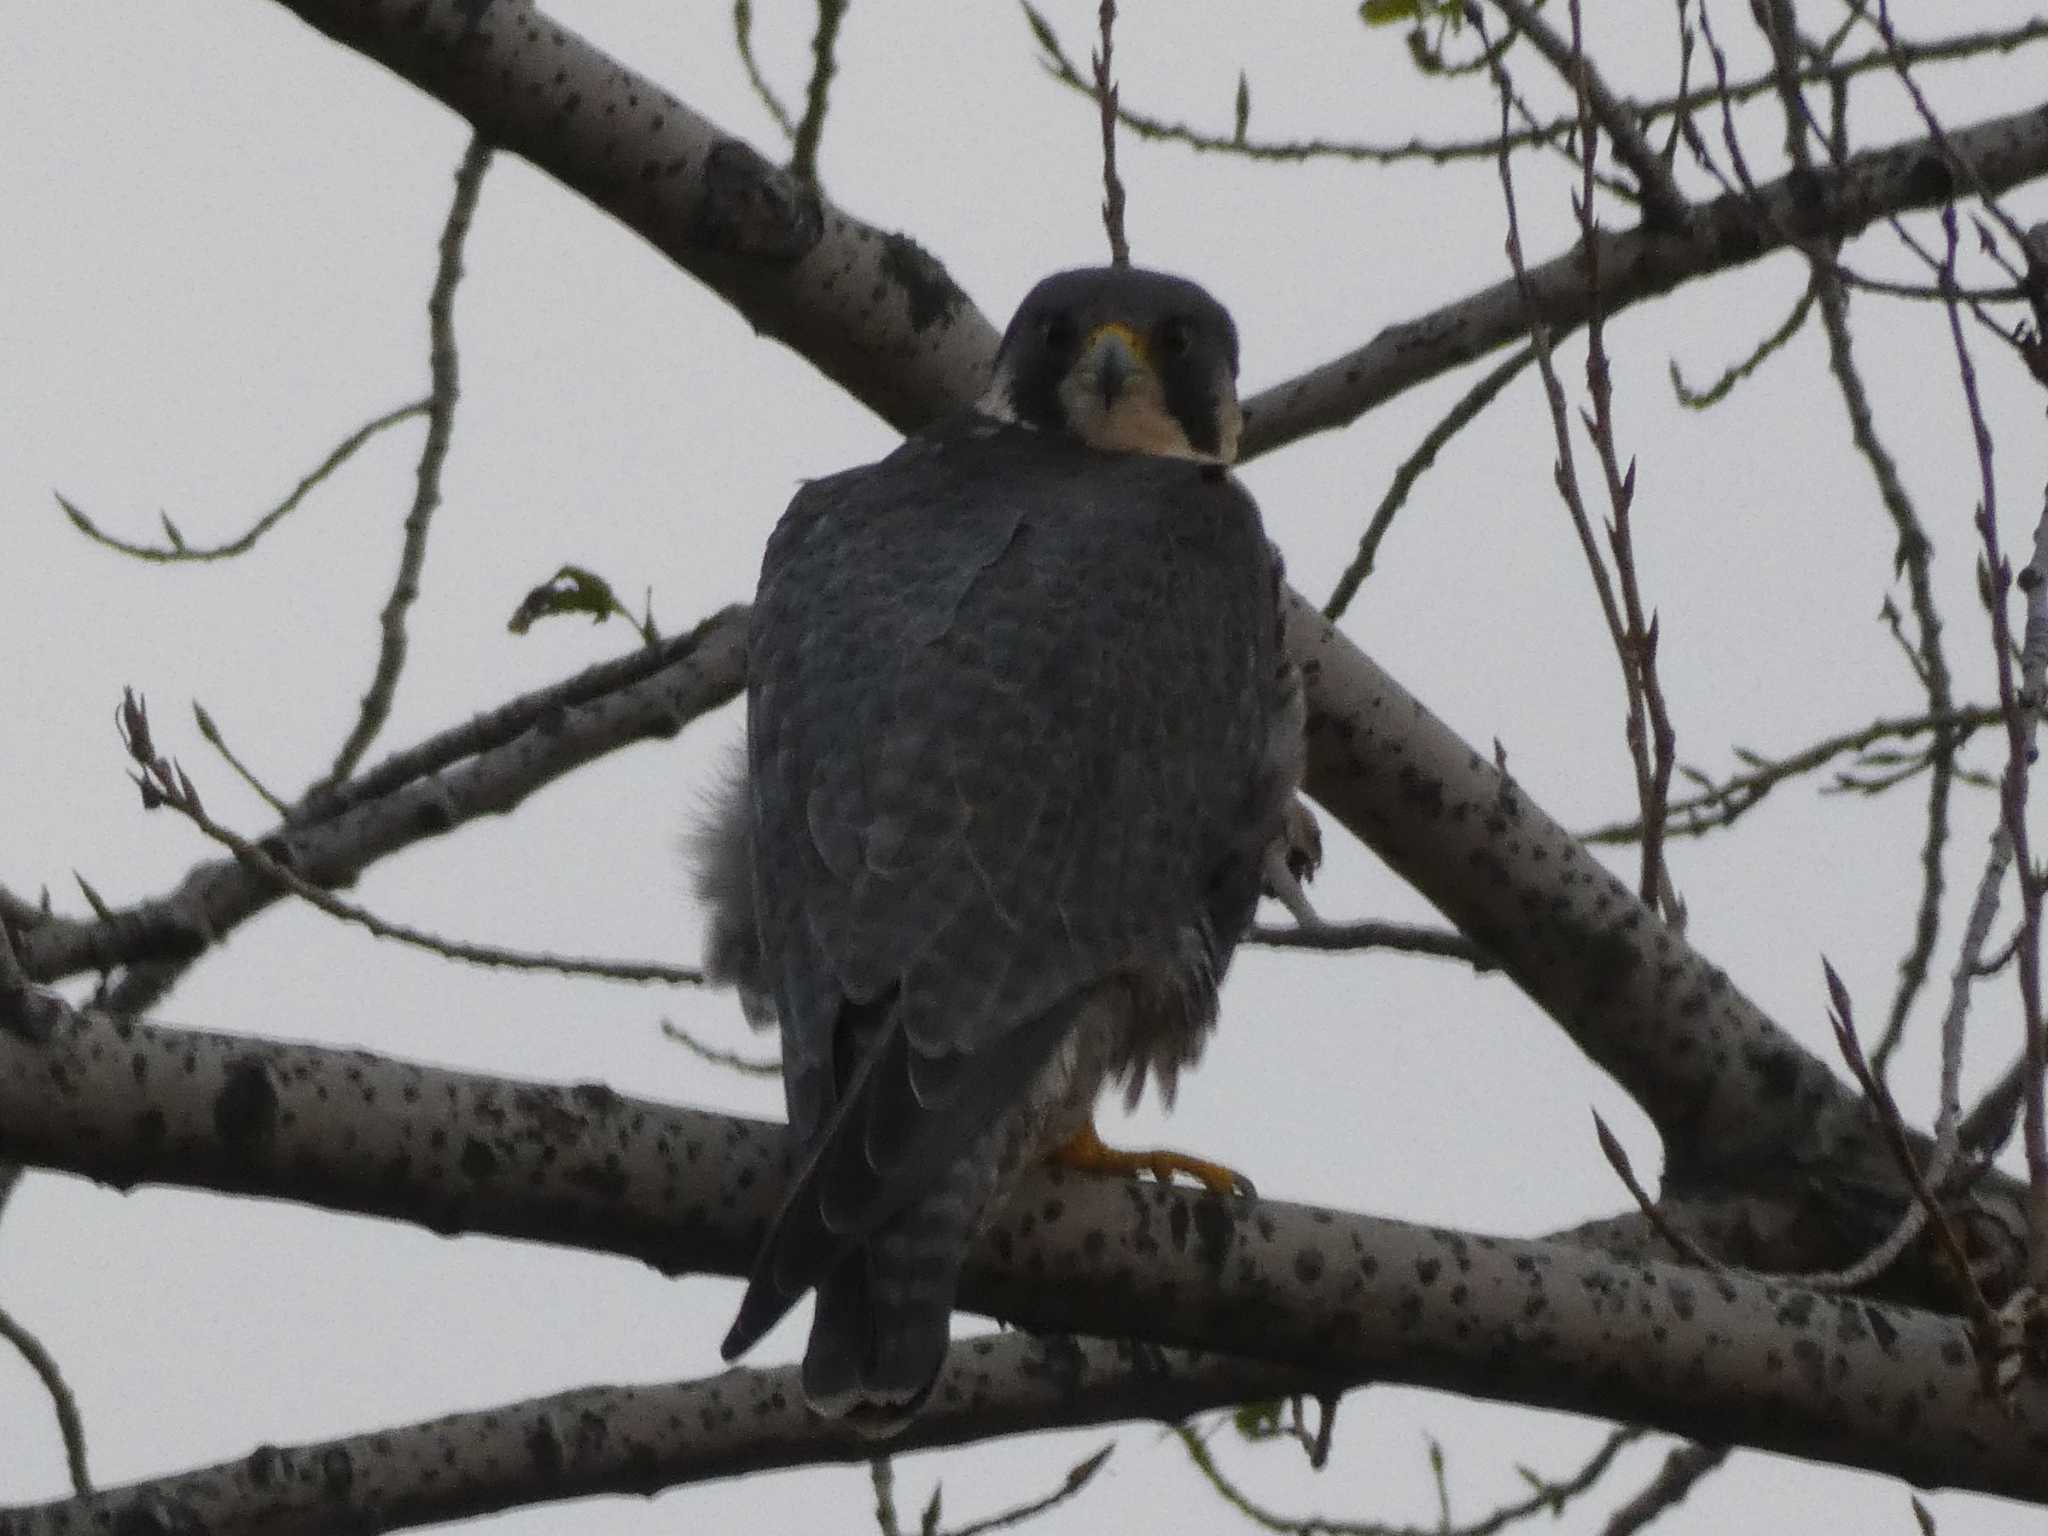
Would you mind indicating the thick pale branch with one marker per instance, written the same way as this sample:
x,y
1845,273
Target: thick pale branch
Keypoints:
x,y
1726,1358
870,309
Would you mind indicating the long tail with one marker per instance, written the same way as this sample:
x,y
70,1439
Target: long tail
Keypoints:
x,y
878,1337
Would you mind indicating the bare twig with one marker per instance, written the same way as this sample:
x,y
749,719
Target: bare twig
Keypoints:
x,y
1063,68
485,766
1548,1496
1682,1469
2021,708
441,355
1984,1326
1617,1159
163,782
1105,98
1664,206
882,1478
733,1061
1721,804
219,743
883,1475
1734,374
1404,938
743,41
1650,739
803,157
69,1424
1453,421
177,551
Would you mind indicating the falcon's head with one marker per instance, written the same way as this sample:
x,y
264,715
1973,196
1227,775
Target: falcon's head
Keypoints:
x,y
1124,360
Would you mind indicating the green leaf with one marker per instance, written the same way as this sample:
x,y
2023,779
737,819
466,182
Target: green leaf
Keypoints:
x,y
572,589
1244,107
1385,13
1258,1421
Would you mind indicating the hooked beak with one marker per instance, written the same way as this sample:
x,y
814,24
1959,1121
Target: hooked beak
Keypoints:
x,y
1116,355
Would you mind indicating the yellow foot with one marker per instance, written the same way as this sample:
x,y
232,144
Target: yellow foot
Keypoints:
x,y
1085,1150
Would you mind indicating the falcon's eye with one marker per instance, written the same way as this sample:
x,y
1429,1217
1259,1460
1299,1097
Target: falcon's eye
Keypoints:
x,y
1058,331
1176,336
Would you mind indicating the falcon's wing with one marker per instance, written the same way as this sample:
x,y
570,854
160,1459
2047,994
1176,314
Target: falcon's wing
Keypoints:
x,y
1008,701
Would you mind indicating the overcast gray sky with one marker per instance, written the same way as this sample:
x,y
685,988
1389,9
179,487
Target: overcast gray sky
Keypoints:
x,y
220,239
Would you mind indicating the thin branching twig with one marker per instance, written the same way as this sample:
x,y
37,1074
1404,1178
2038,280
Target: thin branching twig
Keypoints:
x,y
882,1477
743,40
1617,1159
44,1364
1547,1496
1460,415
213,738
1736,373
177,551
1105,98
1721,804
1892,1125
1996,576
1663,204
803,155
732,1061
1651,741
1404,938
1063,68
442,366
1682,1469
164,783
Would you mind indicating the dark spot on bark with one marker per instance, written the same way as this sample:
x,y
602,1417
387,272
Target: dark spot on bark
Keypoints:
x,y
606,1179
245,1109
1953,1353
263,1465
337,1473
1812,1363
1881,1328
1777,1072
1213,1230
1419,790
1426,1270
934,298
1682,1300
1308,1266
753,208
595,1096
478,1161
151,1128
1797,1309
544,1447
1929,180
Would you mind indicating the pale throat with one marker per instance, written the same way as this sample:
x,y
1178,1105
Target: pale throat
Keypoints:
x,y
1138,422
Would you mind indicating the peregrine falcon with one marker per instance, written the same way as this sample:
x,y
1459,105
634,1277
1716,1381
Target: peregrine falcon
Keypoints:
x,y
1022,751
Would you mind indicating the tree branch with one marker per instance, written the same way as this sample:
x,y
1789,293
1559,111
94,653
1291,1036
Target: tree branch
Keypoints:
x,y
1725,1358
487,766
645,1438
880,316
